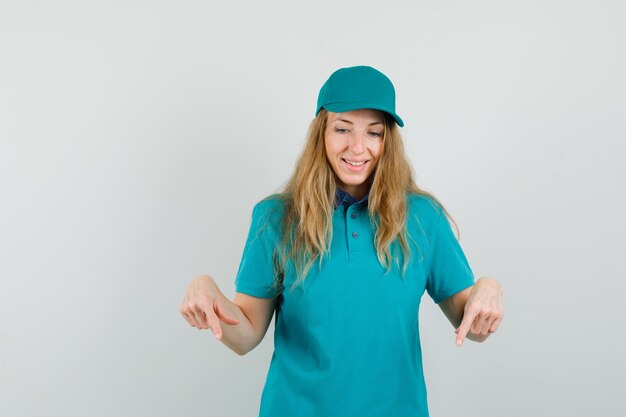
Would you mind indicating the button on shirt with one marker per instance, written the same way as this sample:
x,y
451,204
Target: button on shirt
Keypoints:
x,y
350,204
346,343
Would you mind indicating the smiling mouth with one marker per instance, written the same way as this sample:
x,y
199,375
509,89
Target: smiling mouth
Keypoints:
x,y
355,164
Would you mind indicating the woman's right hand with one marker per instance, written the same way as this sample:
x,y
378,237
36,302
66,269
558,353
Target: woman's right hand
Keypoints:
x,y
204,305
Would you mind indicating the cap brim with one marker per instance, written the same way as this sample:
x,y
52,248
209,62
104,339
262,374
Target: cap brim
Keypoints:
x,y
357,105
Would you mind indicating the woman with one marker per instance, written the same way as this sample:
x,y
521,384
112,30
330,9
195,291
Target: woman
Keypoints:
x,y
343,256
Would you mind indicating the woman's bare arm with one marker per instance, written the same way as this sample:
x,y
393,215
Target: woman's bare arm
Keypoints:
x,y
240,324
258,313
476,311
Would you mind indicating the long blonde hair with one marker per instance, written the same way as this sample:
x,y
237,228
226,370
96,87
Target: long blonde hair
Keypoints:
x,y
309,197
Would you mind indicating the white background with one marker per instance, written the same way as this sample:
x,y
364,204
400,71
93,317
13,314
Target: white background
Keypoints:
x,y
135,137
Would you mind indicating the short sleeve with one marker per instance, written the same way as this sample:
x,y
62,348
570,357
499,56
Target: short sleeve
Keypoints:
x,y
449,270
255,275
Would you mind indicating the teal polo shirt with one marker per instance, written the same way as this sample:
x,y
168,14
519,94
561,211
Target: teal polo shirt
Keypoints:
x,y
347,342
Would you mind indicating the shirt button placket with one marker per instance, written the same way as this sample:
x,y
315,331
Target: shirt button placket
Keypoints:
x,y
354,244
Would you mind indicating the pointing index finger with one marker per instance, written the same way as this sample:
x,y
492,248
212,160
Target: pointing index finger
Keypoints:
x,y
464,328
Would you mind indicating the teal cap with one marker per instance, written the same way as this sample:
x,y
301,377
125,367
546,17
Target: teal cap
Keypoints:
x,y
355,88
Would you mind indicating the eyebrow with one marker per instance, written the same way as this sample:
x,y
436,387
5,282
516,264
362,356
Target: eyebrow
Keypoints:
x,y
348,121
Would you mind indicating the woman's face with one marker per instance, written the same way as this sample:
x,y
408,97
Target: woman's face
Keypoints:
x,y
353,142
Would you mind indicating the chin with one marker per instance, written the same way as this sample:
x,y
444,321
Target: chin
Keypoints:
x,y
351,182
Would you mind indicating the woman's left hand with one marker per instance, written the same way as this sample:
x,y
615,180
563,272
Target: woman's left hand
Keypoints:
x,y
483,311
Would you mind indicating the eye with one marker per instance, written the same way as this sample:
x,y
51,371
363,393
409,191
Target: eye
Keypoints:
x,y
341,130
375,134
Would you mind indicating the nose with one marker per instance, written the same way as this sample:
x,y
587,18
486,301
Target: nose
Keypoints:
x,y
356,144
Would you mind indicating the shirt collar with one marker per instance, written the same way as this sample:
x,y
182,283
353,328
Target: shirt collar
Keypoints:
x,y
345,199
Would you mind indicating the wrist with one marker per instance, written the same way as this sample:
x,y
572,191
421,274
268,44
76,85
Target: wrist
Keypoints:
x,y
489,281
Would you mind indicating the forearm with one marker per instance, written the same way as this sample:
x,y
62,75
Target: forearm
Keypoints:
x,y
233,322
241,337
476,311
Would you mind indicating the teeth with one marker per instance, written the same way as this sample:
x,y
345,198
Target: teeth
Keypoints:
x,y
356,164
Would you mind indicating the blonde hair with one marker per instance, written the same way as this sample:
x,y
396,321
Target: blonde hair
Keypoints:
x,y
309,197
